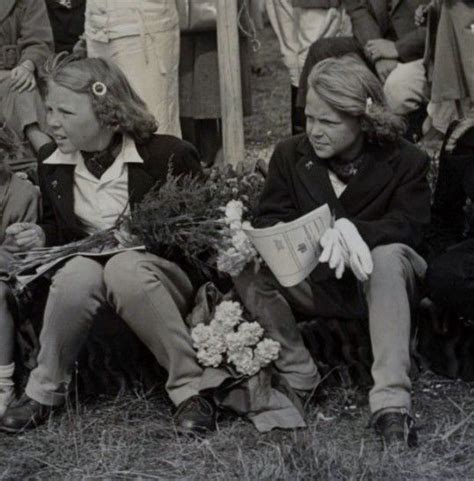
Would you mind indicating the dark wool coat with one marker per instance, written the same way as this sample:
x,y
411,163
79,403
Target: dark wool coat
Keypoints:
x,y
393,20
388,201
315,3
67,23
56,182
25,23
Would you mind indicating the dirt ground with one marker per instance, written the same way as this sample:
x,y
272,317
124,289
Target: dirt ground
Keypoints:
x,y
130,436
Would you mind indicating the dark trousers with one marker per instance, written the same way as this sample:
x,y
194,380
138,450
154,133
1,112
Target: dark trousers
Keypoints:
x,y
450,278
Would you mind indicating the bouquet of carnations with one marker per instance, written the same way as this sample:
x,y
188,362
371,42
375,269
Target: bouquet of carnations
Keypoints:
x,y
200,219
229,339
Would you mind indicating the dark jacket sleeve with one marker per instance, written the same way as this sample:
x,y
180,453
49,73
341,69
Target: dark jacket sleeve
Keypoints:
x,y
408,213
36,36
411,46
276,203
364,25
166,153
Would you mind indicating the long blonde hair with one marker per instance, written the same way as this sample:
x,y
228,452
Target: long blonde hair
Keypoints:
x,y
348,86
118,107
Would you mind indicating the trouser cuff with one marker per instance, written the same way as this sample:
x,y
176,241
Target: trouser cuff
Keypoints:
x,y
179,395
306,382
398,402
48,398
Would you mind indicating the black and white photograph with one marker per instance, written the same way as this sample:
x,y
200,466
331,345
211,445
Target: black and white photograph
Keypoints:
x,y
236,240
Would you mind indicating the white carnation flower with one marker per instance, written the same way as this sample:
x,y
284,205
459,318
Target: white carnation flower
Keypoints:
x,y
250,333
243,245
228,314
200,335
231,262
267,351
216,343
209,358
234,342
244,362
233,213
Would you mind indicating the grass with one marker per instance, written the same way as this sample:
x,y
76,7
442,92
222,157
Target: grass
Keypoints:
x,y
130,436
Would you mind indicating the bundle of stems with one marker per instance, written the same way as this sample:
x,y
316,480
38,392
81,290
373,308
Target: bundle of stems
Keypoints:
x,y
29,261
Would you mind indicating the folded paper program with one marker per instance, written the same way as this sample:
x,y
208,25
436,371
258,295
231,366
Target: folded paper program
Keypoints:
x,y
291,250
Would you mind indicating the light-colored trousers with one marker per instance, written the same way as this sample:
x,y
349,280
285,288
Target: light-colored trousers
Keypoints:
x,y
389,293
149,293
406,87
150,63
297,28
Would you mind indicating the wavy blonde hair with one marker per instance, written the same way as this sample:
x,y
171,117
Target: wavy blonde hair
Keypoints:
x,y
348,86
120,107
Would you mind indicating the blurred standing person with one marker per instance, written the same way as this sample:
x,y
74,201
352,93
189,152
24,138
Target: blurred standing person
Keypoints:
x,y
26,41
142,38
199,92
67,22
450,61
298,24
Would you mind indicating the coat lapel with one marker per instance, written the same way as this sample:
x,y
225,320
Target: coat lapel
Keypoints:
x,y
371,179
394,5
139,183
60,184
314,177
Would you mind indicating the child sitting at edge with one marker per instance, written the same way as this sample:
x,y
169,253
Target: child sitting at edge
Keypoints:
x,y
19,202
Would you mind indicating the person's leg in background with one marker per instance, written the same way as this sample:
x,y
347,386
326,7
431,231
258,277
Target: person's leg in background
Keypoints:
x,y
24,114
150,63
281,16
311,25
318,51
406,87
406,91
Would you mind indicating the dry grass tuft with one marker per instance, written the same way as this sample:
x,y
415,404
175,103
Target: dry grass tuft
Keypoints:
x,y
131,437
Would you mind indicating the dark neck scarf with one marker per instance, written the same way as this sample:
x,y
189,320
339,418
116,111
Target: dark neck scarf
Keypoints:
x,y
98,162
345,171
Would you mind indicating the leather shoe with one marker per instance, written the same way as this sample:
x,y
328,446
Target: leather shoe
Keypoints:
x,y
25,414
396,429
195,415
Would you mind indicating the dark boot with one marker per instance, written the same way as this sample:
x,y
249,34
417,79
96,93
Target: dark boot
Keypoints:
x,y
25,414
195,415
396,429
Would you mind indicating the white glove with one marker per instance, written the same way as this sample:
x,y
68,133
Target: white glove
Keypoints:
x,y
360,258
334,251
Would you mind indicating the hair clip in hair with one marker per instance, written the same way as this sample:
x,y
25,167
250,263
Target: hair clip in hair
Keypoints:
x,y
99,89
368,104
